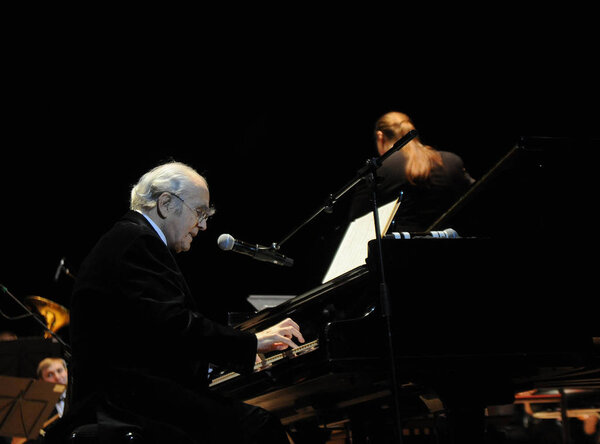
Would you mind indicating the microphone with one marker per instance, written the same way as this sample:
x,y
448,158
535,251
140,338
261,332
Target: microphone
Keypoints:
x,y
228,243
448,233
60,268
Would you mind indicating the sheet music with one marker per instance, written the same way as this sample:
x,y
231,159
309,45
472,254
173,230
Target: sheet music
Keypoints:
x,y
353,250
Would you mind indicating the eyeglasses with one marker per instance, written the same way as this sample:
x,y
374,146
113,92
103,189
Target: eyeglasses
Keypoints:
x,y
202,214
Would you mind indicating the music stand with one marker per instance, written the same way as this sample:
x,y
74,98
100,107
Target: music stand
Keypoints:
x,y
25,404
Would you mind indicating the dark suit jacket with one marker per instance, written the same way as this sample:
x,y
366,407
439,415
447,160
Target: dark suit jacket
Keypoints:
x,y
140,348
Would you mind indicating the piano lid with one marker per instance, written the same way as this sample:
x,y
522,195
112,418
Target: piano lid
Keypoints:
x,y
523,194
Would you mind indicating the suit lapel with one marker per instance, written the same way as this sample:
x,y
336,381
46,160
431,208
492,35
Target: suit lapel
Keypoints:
x,y
139,219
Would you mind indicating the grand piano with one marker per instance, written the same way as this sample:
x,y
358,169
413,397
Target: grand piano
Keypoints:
x,y
473,321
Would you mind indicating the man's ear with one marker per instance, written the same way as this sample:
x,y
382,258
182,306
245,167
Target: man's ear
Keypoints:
x,y
163,205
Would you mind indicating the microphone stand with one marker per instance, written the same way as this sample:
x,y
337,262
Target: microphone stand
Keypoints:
x,y
384,300
368,173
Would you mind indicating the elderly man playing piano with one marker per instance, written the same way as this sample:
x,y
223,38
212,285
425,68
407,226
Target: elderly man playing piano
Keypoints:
x,y
141,348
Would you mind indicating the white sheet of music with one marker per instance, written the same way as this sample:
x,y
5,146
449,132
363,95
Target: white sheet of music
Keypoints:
x,y
353,250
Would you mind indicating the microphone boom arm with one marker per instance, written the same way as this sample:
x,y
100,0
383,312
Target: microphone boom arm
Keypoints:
x,y
370,167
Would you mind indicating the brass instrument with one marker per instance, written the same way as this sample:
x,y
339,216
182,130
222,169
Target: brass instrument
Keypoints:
x,y
55,314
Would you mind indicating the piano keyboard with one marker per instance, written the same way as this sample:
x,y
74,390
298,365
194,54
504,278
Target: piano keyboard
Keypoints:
x,y
268,362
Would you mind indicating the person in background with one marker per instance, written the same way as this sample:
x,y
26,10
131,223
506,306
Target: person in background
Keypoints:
x,y
429,180
55,370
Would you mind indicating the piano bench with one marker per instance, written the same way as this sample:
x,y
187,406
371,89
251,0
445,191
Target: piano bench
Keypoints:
x,y
88,434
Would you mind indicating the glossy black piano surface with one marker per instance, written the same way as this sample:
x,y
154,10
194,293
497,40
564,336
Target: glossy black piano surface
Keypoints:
x,y
470,320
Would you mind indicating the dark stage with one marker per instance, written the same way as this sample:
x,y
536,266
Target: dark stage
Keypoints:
x,y
272,147
270,159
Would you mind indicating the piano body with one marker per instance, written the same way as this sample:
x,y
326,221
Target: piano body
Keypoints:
x,y
474,321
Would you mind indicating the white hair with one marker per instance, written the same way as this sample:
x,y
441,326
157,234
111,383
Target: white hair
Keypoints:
x,y
172,177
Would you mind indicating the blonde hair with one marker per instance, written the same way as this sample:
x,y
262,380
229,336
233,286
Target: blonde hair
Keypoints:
x,y
172,177
47,362
420,158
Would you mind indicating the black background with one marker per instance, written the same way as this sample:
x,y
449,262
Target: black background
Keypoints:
x,y
275,125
